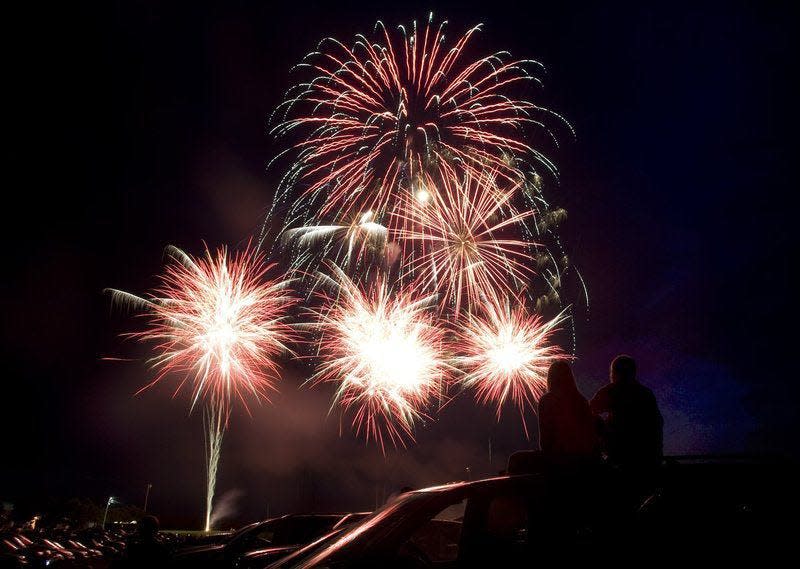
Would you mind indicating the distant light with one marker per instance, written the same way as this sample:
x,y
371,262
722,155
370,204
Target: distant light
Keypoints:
x,y
423,196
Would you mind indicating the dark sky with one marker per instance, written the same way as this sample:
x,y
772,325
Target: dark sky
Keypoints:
x,y
140,124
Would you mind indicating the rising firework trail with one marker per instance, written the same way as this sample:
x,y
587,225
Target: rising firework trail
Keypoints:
x,y
505,353
383,351
214,423
219,324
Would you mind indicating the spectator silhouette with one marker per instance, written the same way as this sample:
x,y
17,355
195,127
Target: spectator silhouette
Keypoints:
x,y
567,430
633,427
146,550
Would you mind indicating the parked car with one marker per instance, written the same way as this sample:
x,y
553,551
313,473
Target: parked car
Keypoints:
x,y
81,550
689,509
262,557
25,552
12,554
351,519
278,535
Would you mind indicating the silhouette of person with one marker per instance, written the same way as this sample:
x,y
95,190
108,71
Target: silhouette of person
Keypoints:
x,y
146,550
567,430
633,426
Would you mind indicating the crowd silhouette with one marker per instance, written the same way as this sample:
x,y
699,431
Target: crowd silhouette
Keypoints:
x,y
622,422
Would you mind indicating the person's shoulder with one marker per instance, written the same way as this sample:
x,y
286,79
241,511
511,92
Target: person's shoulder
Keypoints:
x,y
644,390
604,391
601,400
645,395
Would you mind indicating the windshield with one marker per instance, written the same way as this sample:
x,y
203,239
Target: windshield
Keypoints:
x,y
241,532
329,539
362,534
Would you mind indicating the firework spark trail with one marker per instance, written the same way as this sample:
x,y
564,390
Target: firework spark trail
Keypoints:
x,y
382,113
506,353
458,235
218,322
363,234
213,420
384,352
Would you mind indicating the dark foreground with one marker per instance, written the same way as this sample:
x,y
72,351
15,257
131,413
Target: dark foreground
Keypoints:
x,y
692,508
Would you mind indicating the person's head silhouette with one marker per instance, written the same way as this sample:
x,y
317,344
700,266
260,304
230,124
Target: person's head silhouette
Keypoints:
x,y
148,528
560,378
623,369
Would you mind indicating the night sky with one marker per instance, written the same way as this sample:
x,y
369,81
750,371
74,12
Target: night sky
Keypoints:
x,y
136,125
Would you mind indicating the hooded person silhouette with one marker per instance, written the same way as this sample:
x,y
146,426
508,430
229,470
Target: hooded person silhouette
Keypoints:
x,y
567,430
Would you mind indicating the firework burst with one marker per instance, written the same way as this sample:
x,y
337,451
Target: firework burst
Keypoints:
x,y
505,353
455,234
384,353
382,112
219,324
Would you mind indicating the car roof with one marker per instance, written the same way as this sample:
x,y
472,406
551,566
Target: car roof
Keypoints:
x,y
407,498
684,464
460,485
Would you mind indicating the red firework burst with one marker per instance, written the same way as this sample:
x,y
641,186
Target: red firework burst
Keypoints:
x,y
384,112
454,234
506,353
384,353
218,322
